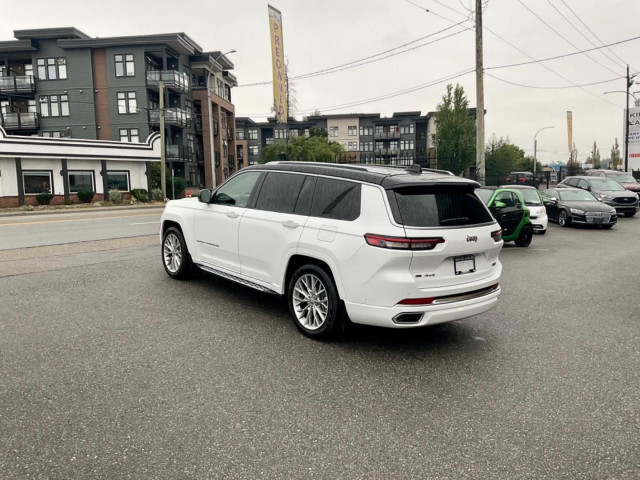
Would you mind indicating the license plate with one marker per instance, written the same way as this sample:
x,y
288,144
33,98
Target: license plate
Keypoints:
x,y
464,264
597,220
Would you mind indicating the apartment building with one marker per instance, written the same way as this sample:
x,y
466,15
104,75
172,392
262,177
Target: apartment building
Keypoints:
x,y
60,82
401,139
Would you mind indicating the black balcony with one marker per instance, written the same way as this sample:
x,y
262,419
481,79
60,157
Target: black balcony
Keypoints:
x,y
178,153
170,79
387,134
172,116
19,121
386,152
17,84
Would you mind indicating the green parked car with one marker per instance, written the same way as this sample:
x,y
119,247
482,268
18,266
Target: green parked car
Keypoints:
x,y
510,210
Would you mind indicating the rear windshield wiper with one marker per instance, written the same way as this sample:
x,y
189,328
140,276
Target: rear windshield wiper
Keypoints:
x,y
458,220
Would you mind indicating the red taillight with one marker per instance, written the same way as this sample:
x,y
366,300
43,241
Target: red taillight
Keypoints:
x,y
416,301
495,286
402,243
508,179
523,179
497,235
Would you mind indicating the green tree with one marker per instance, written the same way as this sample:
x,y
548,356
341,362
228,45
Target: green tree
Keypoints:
x,y
616,159
594,158
455,136
526,164
316,148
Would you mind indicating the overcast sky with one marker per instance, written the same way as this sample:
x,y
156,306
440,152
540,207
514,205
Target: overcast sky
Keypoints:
x,y
324,33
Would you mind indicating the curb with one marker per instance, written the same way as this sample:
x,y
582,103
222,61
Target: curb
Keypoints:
x,y
77,210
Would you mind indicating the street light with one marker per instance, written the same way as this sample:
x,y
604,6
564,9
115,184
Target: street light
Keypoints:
x,y
629,93
222,55
535,151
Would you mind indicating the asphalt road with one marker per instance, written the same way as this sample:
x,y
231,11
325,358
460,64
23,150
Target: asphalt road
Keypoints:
x,y
109,369
57,228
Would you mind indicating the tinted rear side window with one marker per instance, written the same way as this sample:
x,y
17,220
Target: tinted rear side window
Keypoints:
x,y
279,192
336,199
437,207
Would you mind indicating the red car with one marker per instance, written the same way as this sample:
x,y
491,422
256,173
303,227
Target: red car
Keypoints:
x,y
623,178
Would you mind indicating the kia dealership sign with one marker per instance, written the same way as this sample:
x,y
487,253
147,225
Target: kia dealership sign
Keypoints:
x,y
634,138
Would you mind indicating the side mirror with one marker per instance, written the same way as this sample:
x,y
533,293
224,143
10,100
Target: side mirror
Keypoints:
x,y
498,205
205,195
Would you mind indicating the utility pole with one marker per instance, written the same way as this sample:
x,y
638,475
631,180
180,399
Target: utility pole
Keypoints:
x,y
163,173
626,125
479,97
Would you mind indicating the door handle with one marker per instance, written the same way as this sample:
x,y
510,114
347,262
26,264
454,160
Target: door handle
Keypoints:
x,y
290,224
232,214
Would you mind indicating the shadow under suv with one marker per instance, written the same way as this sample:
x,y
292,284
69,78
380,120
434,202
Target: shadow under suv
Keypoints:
x,y
385,246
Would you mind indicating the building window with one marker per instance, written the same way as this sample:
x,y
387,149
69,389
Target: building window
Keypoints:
x,y
334,131
406,129
127,103
239,134
379,146
393,146
220,87
191,142
253,134
125,67
28,69
352,146
118,180
36,182
4,106
129,135
81,181
281,133
306,132
253,150
366,146
3,72
225,148
269,140
379,130
352,131
366,130
31,106
53,134
54,105
293,133
52,68
188,107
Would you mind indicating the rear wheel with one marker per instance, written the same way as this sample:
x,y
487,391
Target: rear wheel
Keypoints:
x,y
175,255
563,219
314,303
524,239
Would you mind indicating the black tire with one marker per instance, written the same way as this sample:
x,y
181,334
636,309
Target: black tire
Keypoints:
x,y
564,220
630,214
524,239
331,325
183,268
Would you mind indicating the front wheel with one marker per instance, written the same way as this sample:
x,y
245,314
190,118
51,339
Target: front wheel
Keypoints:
x,y
175,255
524,239
314,303
563,219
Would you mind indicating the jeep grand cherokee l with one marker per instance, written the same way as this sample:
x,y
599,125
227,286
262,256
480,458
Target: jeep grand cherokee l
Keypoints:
x,y
385,246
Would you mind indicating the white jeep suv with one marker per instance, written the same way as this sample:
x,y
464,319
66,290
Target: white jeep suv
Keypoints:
x,y
387,246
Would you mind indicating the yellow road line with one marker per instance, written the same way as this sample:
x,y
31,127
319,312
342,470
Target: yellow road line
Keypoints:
x,y
77,219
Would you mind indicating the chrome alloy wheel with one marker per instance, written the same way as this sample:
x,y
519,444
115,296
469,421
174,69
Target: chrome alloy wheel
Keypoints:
x,y
172,252
310,301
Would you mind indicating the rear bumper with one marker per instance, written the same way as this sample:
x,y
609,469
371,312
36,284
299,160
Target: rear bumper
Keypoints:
x,y
427,314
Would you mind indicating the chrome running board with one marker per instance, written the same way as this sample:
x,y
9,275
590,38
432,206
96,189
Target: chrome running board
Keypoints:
x,y
235,278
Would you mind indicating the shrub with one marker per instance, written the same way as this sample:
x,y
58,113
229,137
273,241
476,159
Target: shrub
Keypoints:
x,y
140,194
157,194
179,184
68,201
115,195
44,198
85,196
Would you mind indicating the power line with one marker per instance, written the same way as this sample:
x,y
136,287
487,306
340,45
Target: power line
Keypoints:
x,y
564,38
563,55
591,42
592,32
554,88
362,61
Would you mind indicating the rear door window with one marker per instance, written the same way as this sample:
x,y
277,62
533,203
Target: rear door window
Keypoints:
x,y
427,206
337,199
279,192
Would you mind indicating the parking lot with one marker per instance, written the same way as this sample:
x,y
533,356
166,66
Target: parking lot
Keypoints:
x,y
112,370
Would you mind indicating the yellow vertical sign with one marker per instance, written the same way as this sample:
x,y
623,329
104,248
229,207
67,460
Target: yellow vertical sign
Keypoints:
x,y
280,100
570,129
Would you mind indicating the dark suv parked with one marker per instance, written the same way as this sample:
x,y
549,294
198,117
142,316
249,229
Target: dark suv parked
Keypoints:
x,y
521,178
608,191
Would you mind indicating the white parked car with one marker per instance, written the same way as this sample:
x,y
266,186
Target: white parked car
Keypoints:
x,y
537,210
384,246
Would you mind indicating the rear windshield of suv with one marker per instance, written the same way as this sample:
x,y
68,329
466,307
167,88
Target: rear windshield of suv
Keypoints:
x,y
425,206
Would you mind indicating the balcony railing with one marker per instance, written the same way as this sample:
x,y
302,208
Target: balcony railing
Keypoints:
x,y
18,84
172,116
19,121
178,152
387,151
170,79
387,134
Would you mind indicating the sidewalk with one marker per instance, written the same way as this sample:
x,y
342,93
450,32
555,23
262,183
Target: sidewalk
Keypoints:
x,y
78,208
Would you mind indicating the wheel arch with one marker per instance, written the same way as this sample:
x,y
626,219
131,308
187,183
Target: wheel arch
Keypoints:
x,y
297,260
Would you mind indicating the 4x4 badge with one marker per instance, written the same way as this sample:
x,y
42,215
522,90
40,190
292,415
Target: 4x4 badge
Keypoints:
x,y
472,238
